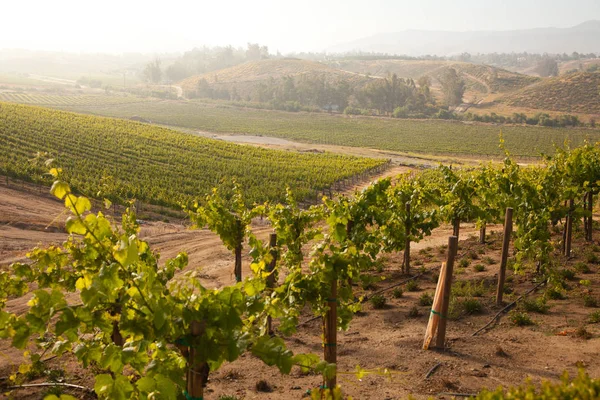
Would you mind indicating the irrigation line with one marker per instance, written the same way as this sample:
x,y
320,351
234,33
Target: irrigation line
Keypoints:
x,y
508,307
457,394
51,384
432,370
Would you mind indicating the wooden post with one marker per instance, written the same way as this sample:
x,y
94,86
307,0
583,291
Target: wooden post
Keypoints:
x,y
482,234
503,260
456,227
237,269
563,248
569,228
407,240
330,334
271,278
452,249
585,218
434,316
590,219
197,371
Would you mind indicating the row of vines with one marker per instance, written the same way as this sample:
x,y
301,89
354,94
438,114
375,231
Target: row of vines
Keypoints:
x,y
119,160
67,100
154,333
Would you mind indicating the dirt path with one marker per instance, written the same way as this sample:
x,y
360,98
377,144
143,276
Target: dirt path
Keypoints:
x,y
406,159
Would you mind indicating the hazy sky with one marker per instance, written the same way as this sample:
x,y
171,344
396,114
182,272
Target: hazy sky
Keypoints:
x,y
301,25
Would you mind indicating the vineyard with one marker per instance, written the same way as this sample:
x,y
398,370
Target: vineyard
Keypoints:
x,y
422,136
104,299
67,100
122,160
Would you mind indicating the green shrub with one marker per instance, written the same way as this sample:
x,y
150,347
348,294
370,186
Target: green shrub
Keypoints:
x,y
472,306
583,333
568,274
228,398
554,293
414,312
378,301
591,258
426,299
594,317
582,387
412,286
589,301
473,255
582,267
538,306
464,263
468,289
489,260
479,267
397,293
520,318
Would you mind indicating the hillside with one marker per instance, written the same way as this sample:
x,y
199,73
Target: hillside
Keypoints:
x,y
577,92
127,159
580,38
248,76
480,78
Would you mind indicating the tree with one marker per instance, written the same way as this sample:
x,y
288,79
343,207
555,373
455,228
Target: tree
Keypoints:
x,y
203,89
547,67
453,87
424,83
177,71
256,52
153,73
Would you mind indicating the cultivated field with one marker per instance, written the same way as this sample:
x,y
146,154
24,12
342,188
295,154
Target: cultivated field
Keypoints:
x,y
126,159
421,136
44,99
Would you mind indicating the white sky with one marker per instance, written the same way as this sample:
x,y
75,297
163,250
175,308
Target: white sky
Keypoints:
x,y
300,25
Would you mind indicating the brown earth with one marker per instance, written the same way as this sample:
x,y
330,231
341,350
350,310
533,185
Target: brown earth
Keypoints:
x,y
387,339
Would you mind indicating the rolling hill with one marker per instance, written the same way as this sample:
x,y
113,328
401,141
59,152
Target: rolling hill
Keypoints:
x,y
582,38
480,78
577,92
246,77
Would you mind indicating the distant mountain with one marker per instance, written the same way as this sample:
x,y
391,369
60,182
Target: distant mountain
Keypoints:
x,y
582,38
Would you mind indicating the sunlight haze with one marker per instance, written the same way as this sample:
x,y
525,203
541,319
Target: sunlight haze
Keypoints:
x,y
143,26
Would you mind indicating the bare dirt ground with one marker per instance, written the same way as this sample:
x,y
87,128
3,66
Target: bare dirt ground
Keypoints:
x,y
389,338
406,159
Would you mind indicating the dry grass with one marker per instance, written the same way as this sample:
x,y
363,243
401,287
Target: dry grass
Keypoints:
x,y
577,92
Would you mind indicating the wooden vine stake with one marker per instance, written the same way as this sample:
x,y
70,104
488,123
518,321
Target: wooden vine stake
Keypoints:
x,y
434,316
589,220
456,227
197,370
330,326
407,242
452,249
271,278
569,228
505,242
330,334
237,268
482,234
